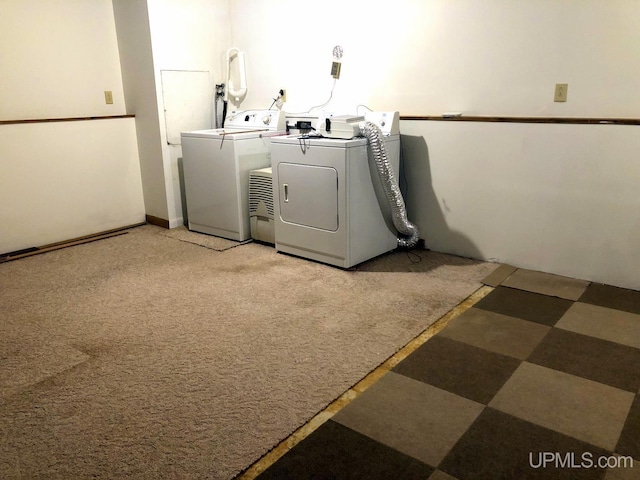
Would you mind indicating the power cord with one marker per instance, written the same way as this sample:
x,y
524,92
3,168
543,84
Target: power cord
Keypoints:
x,y
278,100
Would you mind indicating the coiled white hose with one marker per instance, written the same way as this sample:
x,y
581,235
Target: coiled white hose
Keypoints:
x,y
408,233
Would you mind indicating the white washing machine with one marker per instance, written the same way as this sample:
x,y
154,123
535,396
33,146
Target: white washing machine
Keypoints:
x,y
328,200
216,167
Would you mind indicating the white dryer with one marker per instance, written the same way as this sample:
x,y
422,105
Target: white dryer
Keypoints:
x,y
216,167
328,199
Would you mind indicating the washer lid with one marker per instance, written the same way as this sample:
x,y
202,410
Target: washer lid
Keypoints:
x,y
231,133
319,141
246,124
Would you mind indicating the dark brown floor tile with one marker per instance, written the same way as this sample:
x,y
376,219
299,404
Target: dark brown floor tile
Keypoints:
x,y
499,446
622,468
440,475
612,297
457,367
589,357
629,443
526,305
334,451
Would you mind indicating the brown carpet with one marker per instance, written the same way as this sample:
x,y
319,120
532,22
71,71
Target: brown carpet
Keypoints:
x,y
141,356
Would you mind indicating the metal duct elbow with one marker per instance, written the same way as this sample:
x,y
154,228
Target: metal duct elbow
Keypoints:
x,y
408,233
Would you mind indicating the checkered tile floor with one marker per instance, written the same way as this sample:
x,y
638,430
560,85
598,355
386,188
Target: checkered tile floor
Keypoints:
x,y
539,379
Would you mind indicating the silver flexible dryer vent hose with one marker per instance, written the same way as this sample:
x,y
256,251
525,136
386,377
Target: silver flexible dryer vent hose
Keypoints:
x,y
408,232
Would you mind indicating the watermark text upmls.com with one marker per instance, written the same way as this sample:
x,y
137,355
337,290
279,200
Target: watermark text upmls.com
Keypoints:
x,y
573,460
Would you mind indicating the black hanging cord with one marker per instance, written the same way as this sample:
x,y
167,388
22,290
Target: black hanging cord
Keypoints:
x,y
220,97
224,112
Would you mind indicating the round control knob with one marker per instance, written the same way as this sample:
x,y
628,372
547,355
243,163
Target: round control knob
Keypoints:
x,y
266,119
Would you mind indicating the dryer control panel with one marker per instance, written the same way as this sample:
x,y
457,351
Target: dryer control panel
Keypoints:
x,y
389,122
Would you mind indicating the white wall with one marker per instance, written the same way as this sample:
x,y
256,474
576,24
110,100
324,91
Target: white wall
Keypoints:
x,y
495,57
63,180
557,198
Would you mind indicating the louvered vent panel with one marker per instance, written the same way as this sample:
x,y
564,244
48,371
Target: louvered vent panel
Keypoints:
x,y
260,190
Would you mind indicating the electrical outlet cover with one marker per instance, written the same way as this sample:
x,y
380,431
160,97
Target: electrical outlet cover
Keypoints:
x,y
561,92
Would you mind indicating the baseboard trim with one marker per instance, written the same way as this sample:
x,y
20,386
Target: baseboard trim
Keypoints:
x,y
157,221
28,252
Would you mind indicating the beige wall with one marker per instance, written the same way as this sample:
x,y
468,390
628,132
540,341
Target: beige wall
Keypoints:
x,y
58,58
63,180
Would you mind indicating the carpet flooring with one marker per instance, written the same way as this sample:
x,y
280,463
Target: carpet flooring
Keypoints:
x,y
540,379
145,356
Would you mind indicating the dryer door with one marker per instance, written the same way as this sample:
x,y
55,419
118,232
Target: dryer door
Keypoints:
x,y
308,195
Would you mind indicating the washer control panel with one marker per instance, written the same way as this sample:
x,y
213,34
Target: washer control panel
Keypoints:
x,y
257,119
